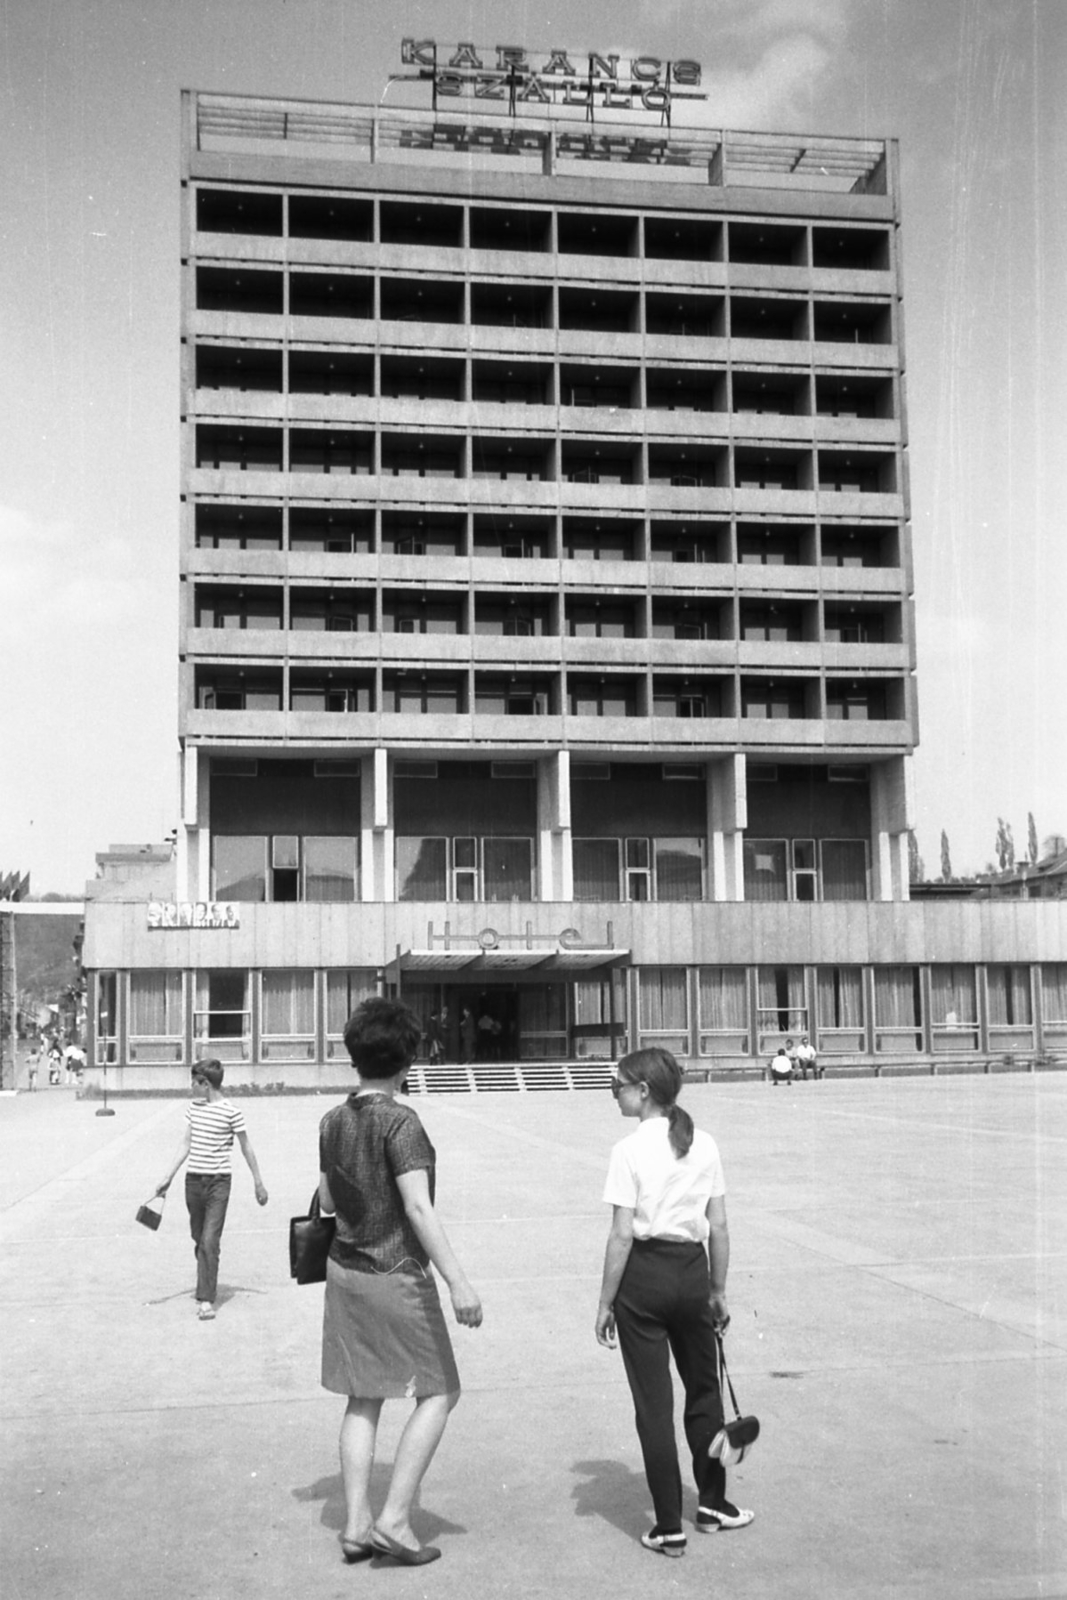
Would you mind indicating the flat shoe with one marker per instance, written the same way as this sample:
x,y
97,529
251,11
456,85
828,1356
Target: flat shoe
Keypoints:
x,y
382,1545
709,1521
665,1544
355,1550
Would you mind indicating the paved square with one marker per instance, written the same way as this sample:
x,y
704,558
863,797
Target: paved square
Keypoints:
x,y
899,1299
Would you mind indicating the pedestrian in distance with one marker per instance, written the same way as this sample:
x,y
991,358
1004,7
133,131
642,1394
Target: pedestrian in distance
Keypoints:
x,y
211,1125
663,1291
32,1062
384,1334
806,1059
781,1068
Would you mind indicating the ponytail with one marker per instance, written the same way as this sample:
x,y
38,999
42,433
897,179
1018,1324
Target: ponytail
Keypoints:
x,y
680,1131
658,1069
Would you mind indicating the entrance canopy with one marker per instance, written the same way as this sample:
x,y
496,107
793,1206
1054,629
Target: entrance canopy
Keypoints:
x,y
492,954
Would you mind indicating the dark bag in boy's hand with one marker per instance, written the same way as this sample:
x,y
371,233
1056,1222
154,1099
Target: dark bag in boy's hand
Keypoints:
x,y
735,1439
148,1215
310,1239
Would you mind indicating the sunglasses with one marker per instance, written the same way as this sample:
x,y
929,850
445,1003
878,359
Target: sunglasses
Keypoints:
x,y
618,1084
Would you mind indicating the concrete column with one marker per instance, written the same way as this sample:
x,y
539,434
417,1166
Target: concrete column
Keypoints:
x,y
727,814
377,858
555,867
891,811
186,842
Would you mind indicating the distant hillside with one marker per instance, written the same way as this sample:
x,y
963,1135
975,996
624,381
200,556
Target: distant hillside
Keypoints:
x,y
44,955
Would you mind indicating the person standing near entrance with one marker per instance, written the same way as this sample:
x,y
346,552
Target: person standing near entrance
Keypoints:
x,y
467,1034
212,1124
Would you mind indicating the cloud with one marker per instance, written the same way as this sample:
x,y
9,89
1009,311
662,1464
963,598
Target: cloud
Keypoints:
x,y
764,60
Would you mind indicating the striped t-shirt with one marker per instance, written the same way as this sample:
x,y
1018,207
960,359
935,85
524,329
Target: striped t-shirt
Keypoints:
x,y
212,1124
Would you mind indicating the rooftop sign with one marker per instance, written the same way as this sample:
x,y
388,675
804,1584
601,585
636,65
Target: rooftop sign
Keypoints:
x,y
585,79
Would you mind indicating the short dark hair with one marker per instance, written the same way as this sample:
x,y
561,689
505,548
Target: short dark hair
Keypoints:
x,y
382,1037
209,1071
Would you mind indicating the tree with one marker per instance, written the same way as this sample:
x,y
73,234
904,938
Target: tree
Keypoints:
x,y
946,859
1005,846
916,868
1031,838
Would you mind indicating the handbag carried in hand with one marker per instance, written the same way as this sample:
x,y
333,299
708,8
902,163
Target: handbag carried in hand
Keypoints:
x,y
147,1214
310,1239
735,1439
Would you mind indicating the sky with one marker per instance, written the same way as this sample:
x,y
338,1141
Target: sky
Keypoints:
x,y
89,397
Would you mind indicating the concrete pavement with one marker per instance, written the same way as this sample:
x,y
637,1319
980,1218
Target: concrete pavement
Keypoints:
x,y
899,1298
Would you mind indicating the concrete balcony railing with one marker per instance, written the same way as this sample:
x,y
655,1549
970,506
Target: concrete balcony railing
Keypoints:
x,y
752,275
863,658
660,274
861,580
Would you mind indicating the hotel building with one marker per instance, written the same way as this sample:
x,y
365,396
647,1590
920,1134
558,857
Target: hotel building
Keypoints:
x,y
547,635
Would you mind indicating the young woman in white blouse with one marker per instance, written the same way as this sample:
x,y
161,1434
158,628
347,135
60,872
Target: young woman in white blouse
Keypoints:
x,y
664,1289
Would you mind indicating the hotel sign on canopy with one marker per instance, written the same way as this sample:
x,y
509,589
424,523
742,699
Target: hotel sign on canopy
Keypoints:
x,y
554,77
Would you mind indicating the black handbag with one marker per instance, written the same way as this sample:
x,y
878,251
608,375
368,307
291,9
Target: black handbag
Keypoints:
x,y
147,1214
735,1439
310,1239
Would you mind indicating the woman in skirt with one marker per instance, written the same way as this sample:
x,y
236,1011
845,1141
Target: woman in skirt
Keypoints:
x,y
664,1289
384,1335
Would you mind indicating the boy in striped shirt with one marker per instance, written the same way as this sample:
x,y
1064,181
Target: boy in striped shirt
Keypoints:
x,y
212,1124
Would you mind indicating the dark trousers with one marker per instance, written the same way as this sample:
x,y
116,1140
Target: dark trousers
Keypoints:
x,y
661,1309
207,1194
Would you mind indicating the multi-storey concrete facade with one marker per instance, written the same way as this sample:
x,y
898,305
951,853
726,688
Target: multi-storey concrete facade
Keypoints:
x,y
547,632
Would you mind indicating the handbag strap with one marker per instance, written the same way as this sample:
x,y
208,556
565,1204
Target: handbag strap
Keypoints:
x,y
724,1374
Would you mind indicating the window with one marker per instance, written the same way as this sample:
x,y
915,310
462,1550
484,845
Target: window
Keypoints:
x,y
287,1031
239,694
953,1007
222,1022
844,869
782,1005
465,869
839,1010
599,1005
665,869
679,869
765,869
897,1010
772,701
238,610
157,1016
107,1018
1011,1007
330,869
507,869
239,449
601,622
333,694
605,699
240,867
422,696
596,869
1054,996
770,623
855,702
421,868
722,994
345,989
663,1007
515,699
317,867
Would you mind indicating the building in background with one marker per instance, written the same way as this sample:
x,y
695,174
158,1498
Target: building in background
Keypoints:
x,y
547,639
